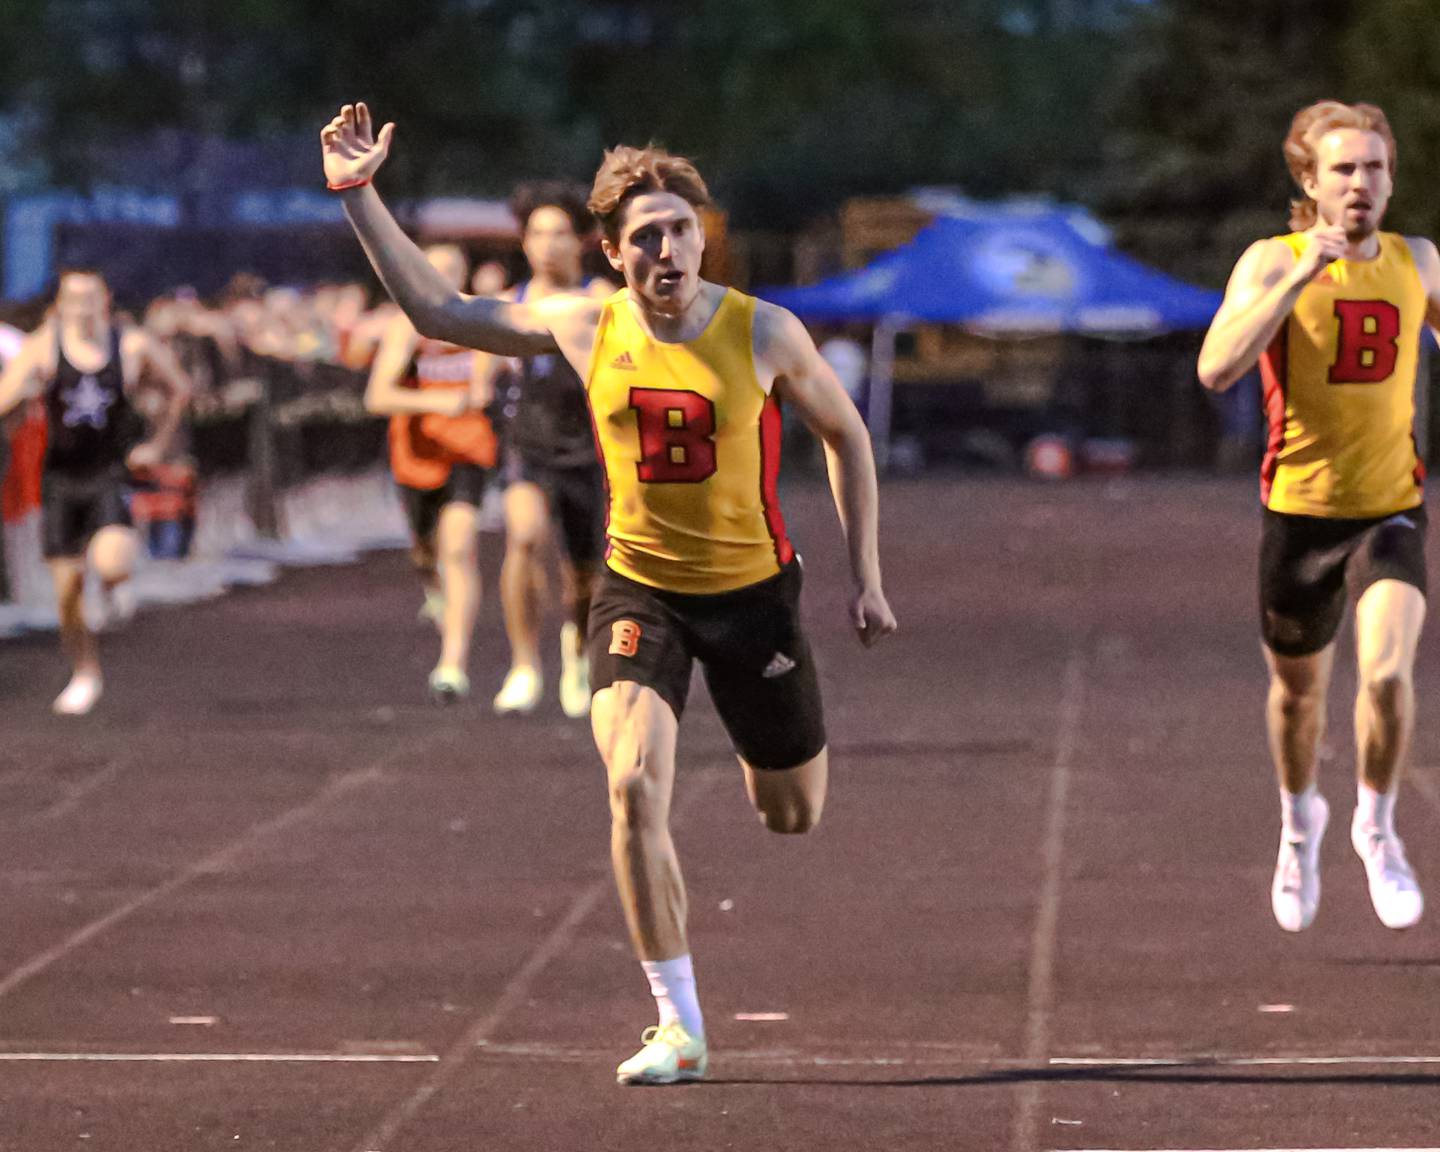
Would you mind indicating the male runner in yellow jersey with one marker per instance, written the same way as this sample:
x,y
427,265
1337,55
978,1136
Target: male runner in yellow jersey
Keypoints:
x,y
1333,312
683,377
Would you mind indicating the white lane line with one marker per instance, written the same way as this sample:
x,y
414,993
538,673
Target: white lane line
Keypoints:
x,y
1024,1134
76,793
515,991
216,1058
927,1056
215,862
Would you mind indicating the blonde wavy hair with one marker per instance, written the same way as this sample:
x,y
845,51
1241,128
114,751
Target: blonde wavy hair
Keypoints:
x,y
1309,125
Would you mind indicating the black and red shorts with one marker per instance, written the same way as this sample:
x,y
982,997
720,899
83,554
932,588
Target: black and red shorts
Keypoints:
x,y
749,643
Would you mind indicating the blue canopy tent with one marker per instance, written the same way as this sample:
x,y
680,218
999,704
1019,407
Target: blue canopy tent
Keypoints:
x,y
1001,272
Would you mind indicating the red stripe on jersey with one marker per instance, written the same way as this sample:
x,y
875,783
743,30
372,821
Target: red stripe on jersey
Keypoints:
x,y
1273,369
771,428
604,468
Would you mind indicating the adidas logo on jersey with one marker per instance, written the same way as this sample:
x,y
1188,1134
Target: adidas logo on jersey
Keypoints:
x,y
778,666
624,361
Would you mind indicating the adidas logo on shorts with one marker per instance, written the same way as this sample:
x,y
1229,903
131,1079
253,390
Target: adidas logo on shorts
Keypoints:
x,y
778,666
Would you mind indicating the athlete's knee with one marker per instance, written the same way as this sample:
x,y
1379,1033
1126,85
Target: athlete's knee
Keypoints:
x,y
1297,691
1386,691
458,552
794,816
635,793
112,554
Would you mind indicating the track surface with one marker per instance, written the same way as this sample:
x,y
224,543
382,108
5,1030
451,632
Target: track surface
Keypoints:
x,y
1046,858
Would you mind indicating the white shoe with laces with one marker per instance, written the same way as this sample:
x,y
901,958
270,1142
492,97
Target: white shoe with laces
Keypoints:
x,y
1295,890
520,693
574,675
670,1055
1394,891
80,695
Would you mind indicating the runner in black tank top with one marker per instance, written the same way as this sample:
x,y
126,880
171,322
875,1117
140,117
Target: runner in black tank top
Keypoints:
x,y
549,466
93,433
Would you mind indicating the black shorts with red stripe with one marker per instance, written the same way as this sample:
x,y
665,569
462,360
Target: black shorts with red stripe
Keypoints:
x,y
748,642
1307,564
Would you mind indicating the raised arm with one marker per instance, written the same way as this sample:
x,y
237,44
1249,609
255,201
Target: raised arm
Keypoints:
x,y
1263,289
352,155
803,379
383,394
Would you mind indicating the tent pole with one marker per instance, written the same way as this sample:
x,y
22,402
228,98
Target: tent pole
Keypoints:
x,y
878,401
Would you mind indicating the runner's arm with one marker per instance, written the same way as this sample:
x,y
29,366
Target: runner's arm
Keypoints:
x,y
174,381
384,395
804,380
1427,262
20,381
1261,294
352,155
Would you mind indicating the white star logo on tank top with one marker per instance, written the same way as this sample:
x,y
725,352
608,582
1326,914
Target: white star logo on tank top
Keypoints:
x,y
87,403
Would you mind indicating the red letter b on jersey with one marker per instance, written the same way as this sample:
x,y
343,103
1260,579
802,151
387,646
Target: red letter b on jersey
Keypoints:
x,y
1366,341
675,430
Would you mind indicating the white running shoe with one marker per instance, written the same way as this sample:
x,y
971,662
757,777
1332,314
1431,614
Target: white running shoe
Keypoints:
x,y
669,1056
574,675
1393,890
449,685
79,696
520,692
1295,891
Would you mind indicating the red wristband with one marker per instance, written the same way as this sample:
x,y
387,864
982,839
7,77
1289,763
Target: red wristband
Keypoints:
x,y
358,182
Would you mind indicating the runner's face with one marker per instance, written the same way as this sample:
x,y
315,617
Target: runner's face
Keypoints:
x,y
551,245
82,299
1351,186
659,249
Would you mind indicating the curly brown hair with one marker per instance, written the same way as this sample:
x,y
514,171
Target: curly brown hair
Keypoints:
x,y
1305,131
627,172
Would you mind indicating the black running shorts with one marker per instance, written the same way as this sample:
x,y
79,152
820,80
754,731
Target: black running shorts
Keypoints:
x,y
74,508
422,505
1307,563
575,498
749,643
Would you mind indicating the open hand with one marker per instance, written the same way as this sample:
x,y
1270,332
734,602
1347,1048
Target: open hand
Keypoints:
x,y
349,149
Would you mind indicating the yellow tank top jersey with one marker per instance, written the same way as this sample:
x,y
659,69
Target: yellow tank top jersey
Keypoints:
x,y
1339,388
690,442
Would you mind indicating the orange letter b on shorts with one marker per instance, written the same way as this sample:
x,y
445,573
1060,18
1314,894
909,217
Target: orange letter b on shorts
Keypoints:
x,y
624,638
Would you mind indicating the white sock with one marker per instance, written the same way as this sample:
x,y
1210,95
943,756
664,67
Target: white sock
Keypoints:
x,y
1375,809
1295,812
672,983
